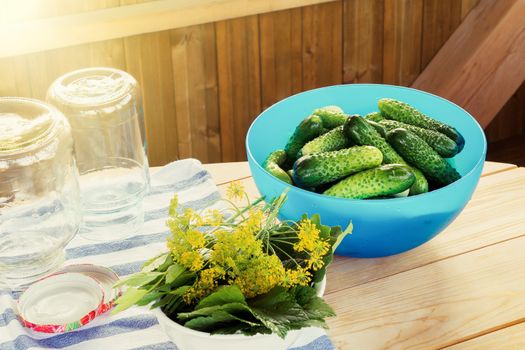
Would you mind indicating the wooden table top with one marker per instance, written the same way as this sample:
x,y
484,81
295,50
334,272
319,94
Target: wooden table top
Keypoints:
x,y
465,289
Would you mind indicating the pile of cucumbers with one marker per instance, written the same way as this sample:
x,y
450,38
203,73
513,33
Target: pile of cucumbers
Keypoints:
x,y
395,152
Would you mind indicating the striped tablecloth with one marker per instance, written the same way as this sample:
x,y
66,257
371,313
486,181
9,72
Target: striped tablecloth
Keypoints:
x,y
135,328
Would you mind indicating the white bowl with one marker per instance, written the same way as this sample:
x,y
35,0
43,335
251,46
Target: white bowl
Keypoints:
x,y
188,339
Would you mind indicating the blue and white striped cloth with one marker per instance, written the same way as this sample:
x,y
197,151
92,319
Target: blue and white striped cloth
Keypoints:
x,y
135,328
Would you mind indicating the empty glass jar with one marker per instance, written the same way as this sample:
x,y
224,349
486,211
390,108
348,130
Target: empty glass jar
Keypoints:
x,y
39,193
104,107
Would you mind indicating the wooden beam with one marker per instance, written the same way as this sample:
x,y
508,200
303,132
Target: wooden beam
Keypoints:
x,y
50,33
482,64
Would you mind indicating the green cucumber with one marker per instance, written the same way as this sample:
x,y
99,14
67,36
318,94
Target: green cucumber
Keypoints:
x,y
385,180
331,141
306,131
379,128
320,168
374,116
360,132
443,145
273,164
405,113
418,153
331,119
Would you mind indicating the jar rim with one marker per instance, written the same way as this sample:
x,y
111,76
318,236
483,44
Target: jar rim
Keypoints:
x,y
40,138
92,88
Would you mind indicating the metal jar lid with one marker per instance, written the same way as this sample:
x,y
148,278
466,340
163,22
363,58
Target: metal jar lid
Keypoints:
x,y
61,302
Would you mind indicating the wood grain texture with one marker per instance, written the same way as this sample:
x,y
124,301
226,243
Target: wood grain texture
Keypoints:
x,y
513,337
403,23
286,51
492,168
363,41
482,58
223,173
195,82
20,37
239,78
281,55
466,6
434,305
322,49
440,19
148,59
510,120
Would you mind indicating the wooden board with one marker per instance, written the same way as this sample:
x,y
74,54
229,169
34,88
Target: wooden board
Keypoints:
x,y
239,82
281,55
19,37
491,168
284,52
363,41
466,6
513,337
148,59
226,172
482,58
403,23
440,19
322,49
433,305
510,121
193,56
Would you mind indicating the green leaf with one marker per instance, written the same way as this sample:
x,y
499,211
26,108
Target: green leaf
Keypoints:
x,y
154,262
218,321
130,297
315,307
173,272
342,235
231,308
277,310
148,298
138,279
179,291
166,264
223,295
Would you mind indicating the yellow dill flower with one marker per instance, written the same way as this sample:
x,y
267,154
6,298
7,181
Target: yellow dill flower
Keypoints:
x,y
205,284
311,243
308,236
192,260
239,245
315,262
260,276
254,221
292,277
213,218
195,238
235,190
174,204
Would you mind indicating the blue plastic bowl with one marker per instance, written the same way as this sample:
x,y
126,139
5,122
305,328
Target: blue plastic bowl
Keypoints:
x,y
381,227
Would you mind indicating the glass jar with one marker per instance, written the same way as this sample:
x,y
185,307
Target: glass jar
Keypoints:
x,y
104,107
39,193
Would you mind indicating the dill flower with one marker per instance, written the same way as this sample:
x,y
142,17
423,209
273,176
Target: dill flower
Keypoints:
x,y
260,275
192,260
309,241
213,218
299,276
235,190
206,283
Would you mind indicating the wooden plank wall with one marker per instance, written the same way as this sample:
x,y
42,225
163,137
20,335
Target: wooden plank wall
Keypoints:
x,y
203,85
